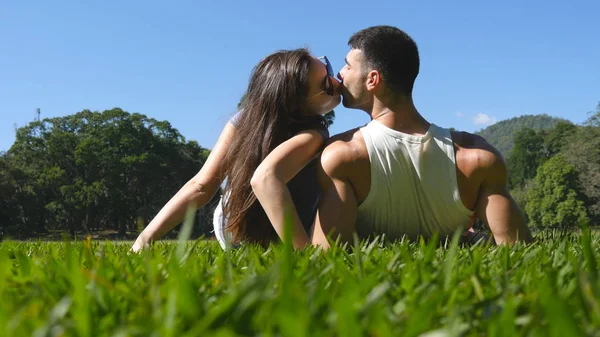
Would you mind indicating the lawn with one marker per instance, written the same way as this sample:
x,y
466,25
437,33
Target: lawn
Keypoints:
x,y
93,288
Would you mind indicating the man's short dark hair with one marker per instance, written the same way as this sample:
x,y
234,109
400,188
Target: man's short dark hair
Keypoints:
x,y
392,52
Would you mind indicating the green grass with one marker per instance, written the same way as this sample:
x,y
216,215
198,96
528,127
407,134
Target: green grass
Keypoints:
x,y
83,288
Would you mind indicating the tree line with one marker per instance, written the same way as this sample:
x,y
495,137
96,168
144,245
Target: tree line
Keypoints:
x,y
502,134
94,171
113,171
554,174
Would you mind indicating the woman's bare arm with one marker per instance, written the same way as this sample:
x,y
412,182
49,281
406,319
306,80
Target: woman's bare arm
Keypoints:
x,y
194,194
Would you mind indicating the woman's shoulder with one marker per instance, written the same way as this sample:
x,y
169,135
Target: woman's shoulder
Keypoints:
x,y
316,123
235,119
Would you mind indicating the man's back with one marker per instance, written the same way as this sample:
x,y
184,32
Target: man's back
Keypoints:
x,y
413,185
347,176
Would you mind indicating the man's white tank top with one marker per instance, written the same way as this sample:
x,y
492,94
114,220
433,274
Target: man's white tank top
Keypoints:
x,y
414,188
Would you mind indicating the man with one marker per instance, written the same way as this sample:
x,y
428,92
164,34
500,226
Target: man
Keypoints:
x,y
400,175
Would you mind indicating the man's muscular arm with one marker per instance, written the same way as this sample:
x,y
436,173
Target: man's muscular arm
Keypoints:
x,y
336,215
495,206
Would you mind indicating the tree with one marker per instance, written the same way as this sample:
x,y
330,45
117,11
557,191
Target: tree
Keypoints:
x,y
526,156
553,200
502,134
594,119
556,138
330,117
519,194
7,193
95,170
582,150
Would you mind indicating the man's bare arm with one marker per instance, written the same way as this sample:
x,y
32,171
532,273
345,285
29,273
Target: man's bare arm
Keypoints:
x,y
496,207
337,211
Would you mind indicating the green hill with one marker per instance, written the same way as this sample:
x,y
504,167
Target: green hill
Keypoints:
x,y
502,133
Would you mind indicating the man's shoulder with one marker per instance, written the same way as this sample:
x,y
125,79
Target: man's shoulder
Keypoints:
x,y
475,153
343,150
346,137
468,140
343,142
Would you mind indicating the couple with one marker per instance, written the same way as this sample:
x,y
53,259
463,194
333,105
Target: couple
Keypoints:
x,y
398,176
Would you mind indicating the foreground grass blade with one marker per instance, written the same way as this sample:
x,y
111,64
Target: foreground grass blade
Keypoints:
x,y
182,288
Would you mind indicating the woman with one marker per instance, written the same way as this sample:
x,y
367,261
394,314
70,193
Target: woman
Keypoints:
x,y
267,153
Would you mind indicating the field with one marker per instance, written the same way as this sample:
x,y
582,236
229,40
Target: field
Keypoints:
x,y
88,288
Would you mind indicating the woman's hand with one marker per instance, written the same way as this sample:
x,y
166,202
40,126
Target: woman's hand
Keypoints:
x,y
140,243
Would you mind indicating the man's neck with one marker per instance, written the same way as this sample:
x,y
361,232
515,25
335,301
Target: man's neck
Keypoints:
x,y
401,116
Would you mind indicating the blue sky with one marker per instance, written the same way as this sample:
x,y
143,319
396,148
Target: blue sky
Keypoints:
x,y
188,62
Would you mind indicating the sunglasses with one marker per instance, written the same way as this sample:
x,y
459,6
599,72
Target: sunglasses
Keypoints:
x,y
327,84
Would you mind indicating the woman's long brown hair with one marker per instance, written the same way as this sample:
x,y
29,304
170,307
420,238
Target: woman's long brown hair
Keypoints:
x,y
275,101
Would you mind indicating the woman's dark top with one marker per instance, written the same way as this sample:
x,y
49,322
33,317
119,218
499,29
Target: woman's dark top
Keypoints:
x,y
304,187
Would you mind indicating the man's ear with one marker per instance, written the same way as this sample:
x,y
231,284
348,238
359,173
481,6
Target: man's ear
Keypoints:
x,y
373,79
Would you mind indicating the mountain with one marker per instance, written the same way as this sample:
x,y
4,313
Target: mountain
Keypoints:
x,y
501,134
